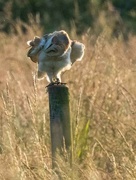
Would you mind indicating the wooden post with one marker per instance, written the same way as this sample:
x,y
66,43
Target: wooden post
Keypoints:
x,y
60,127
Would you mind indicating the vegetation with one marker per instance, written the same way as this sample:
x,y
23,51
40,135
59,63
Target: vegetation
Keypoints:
x,y
102,94
58,14
102,100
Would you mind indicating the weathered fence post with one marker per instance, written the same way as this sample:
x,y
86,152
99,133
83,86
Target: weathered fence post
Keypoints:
x,y
60,126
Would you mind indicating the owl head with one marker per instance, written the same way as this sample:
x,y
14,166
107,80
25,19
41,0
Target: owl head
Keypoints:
x,y
58,43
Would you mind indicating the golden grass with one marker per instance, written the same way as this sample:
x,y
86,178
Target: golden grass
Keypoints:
x,y
103,112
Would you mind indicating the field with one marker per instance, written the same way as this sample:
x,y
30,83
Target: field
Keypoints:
x,y
103,111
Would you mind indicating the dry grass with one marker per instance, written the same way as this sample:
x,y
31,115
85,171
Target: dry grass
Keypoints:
x,y
103,112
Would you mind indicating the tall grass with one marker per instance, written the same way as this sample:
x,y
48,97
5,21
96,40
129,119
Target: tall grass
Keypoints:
x,y
103,111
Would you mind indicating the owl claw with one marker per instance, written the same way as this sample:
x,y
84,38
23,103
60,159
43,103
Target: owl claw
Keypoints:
x,y
55,83
60,83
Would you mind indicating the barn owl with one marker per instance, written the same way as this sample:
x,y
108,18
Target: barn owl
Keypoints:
x,y
54,53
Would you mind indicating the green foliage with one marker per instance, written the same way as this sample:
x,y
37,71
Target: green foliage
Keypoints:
x,y
58,14
82,141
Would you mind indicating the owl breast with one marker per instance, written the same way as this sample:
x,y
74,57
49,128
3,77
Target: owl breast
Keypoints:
x,y
54,64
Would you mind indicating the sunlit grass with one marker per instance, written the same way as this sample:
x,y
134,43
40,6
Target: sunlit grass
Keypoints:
x,y
103,111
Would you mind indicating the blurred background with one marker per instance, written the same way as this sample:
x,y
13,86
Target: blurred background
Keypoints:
x,y
120,15
102,90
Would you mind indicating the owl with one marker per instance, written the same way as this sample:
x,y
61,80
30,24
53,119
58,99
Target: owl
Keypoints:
x,y
54,53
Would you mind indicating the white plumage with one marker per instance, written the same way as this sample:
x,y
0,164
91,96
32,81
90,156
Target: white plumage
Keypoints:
x,y
55,53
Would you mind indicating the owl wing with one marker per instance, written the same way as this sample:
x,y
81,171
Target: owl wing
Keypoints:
x,y
34,58
77,51
35,46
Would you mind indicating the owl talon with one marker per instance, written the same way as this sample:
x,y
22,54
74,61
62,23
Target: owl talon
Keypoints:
x,y
55,83
62,83
51,84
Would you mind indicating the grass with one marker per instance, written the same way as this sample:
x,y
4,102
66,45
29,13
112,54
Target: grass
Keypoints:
x,y
103,111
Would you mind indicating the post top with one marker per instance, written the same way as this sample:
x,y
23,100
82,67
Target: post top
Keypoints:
x,y
57,86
